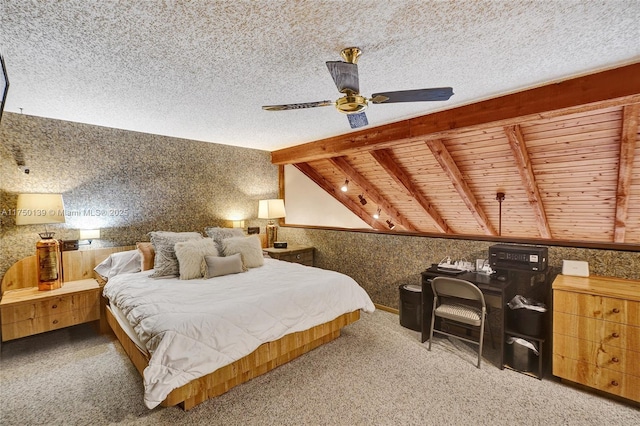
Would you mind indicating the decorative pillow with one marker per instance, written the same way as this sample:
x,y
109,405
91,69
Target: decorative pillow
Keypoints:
x,y
191,256
147,254
119,263
249,248
165,262
218,266
219,234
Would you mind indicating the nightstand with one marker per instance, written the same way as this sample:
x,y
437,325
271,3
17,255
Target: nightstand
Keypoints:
x,y
293,253
28,311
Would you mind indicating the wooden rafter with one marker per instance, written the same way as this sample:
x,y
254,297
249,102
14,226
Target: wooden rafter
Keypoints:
x,y
449,166
620,86
525,169
628,138
372,193
400,176
342,198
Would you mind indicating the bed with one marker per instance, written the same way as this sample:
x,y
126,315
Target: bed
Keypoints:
x,y
194,339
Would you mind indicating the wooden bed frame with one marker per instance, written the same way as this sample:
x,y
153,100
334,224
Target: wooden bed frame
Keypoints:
x,y
79,265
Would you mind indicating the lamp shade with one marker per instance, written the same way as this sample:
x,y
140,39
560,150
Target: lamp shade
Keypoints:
x,y
89,234
33,209
271,209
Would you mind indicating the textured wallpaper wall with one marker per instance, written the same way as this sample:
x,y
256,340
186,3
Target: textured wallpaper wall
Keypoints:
x,y
380,263
145,182
125,183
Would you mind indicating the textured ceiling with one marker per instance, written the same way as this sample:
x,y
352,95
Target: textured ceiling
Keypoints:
x,y
201,70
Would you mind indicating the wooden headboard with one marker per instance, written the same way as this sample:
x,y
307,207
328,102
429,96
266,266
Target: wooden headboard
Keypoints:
x,y
76,265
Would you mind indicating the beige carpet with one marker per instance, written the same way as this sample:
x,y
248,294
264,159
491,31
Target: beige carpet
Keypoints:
x,y
376,373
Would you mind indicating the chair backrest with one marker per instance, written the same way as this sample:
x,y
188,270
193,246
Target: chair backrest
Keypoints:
x,y
454,287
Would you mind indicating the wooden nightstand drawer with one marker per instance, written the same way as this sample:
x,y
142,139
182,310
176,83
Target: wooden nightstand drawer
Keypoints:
x,y
50,306
28,311
295,254
55,321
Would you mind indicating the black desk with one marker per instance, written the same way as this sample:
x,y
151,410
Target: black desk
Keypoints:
x,y
497,293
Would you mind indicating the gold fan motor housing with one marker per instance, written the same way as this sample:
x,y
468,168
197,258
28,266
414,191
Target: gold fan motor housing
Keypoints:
x,y
351,104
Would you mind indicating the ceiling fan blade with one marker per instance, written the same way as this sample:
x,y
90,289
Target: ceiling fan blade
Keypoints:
x,y
345,75
418,95
357,120
303,105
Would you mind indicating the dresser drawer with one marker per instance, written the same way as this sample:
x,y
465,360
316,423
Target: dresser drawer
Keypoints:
x,y
593,306
45,307
614,382
604,356
303,257
294,254
595,330
55,321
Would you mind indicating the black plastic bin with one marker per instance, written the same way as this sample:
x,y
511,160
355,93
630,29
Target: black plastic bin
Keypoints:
x,y
524,316
529,322
520,357
411,306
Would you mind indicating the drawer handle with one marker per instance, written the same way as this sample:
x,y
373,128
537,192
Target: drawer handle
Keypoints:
x,y
55,321
298,256
614,334
54,306
614,383
614,359
616,310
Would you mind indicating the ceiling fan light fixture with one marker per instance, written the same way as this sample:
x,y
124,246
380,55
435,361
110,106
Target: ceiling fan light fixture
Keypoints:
x,y
351,104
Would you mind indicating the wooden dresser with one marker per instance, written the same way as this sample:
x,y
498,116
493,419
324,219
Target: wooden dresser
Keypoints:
x,y
596,333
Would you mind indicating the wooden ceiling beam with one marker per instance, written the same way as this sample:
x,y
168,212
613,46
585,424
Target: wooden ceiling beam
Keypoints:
x,y
525,169
342,198
449,166
385,159
371,192
616,87
628,137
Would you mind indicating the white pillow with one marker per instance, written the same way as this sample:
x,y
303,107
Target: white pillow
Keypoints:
x,y
218,266
191,254
119,263
250,248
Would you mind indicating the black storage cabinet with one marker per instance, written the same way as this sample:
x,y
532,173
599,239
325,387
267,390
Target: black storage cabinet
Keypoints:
x,y
411,306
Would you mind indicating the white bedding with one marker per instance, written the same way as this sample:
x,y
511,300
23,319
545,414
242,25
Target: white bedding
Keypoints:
x,y
193,327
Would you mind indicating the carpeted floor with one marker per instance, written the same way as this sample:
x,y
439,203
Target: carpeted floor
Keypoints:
x,y
376,373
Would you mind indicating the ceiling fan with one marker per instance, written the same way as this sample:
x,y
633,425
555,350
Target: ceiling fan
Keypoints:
x,y
345,75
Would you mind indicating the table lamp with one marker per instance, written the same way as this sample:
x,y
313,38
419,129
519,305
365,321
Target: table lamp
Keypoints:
x,y
42,209
271,209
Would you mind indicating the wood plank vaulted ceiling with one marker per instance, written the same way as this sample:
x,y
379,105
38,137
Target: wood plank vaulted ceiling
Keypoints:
x,y
565,155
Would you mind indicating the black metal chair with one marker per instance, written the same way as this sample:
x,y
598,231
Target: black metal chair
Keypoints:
x,y
461,302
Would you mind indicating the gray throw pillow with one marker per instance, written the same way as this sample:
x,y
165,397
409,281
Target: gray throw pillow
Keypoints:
x,y
218,266
165,263
218,234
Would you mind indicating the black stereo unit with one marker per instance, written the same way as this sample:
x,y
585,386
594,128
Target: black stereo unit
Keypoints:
x,y
521,258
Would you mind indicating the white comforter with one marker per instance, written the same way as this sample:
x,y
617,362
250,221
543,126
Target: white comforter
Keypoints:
x,y
194,327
